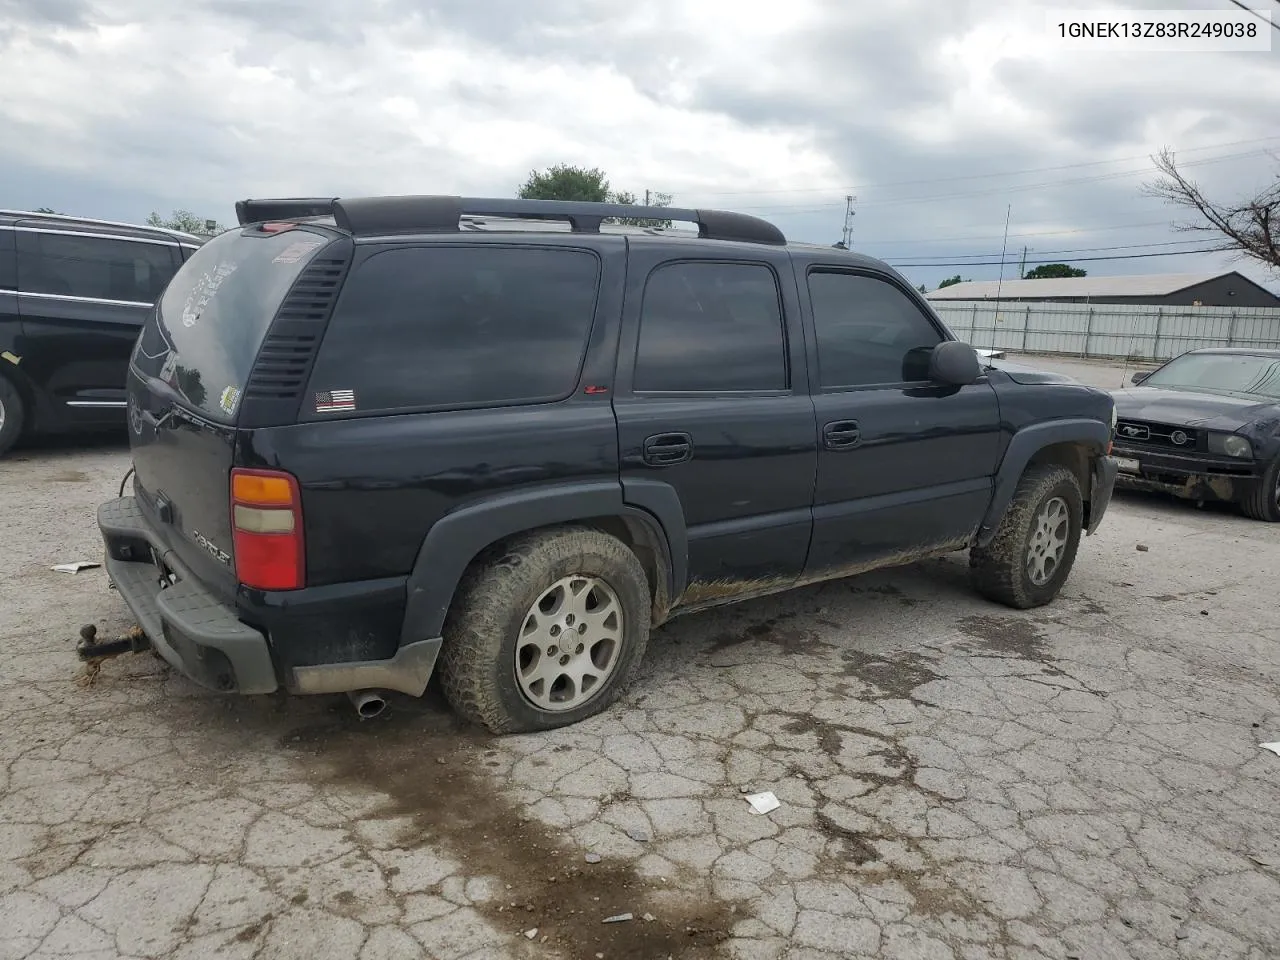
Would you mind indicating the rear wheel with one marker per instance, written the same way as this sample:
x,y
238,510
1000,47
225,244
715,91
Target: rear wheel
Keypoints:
x,y
1031,555
1262,502
546,632
11,415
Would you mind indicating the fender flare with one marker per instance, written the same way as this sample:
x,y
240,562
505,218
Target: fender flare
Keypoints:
x,y
455,540
1026,443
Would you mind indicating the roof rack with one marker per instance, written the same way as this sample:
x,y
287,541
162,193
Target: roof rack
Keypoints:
x,y
378,216
91,221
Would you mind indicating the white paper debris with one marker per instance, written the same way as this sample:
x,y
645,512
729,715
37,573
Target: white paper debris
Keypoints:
x,y
530,934
648,918
763,803
76,566
1273,747
620,918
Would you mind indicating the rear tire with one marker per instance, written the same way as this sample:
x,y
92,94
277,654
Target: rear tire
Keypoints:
x,y
1262,502
1031,555
546,631
11,415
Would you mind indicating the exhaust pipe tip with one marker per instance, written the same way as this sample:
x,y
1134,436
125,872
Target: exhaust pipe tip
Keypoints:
x,y
368,703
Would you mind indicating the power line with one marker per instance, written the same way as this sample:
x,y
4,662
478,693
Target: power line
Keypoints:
x,y
997,263
979,176
1044,253
1042,233
996,191
1274,25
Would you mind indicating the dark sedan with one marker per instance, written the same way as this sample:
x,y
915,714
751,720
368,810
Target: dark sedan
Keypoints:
x,y
1205,426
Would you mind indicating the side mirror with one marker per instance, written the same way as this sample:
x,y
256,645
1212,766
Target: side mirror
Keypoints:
x,y
954,363
1139,376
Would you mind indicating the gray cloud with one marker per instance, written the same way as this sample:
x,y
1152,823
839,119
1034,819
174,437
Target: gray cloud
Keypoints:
x,y
748,109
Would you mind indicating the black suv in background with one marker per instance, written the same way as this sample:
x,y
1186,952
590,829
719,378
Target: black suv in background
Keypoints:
x,y
73,296
513,436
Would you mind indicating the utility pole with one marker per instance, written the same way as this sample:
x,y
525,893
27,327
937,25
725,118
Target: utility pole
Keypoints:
x,y
1022,270
646,196
847,235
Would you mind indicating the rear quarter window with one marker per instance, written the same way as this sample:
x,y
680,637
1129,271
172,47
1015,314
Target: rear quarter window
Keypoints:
x,y
206,331
456,326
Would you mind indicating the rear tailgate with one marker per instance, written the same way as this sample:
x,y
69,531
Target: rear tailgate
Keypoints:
x,y
187,380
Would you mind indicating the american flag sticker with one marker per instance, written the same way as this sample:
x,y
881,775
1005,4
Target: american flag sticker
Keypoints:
x,y
334,401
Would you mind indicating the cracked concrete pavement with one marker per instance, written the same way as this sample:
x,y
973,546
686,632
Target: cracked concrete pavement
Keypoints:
x,y
958,781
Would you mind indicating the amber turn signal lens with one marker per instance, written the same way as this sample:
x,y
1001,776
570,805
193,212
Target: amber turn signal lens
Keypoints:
x,y
254,489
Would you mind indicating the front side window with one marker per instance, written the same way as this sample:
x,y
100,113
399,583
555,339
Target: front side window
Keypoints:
x,y
72,265
710,327
869,332
457,326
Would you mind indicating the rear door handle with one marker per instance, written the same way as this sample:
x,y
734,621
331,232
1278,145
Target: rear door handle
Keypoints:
x,y
665,449
841,434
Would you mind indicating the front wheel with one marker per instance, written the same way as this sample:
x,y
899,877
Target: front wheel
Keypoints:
x,y
546,632
1031,555
1262,501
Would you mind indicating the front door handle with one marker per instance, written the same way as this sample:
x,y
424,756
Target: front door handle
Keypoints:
x,y
665,449
841,434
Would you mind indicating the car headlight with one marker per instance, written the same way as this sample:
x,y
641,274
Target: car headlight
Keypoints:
x,y
1115,416
1231,444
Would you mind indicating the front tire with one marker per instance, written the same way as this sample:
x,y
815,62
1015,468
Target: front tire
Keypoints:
x,y
1031,555
546,631
11,415
1262,502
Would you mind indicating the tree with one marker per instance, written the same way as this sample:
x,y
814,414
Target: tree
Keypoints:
x,y
922,288
1054,271
1249,227
951,281
186,222
47,210
566,182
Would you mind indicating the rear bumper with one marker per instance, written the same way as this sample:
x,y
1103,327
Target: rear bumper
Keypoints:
x,y
205,639
191,629
1189,477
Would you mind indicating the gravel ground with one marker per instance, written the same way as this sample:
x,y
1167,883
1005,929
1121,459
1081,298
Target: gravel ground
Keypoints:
x,y
957,780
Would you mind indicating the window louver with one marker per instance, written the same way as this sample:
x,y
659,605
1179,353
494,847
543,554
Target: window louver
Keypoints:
x,y
286,355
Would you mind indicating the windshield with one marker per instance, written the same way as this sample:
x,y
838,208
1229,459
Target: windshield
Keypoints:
x,y
205,332
1220,373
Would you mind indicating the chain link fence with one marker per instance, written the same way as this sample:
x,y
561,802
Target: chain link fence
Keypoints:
x,y
1108,330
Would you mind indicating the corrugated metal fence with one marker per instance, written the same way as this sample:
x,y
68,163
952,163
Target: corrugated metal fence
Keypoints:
x,y
1108,329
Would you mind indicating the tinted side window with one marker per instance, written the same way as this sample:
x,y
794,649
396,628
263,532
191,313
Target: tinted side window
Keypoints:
x,y
79,266
8,261
869,331
457,326
708,326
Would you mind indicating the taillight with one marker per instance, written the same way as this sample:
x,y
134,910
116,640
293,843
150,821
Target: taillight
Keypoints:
x,y
266,525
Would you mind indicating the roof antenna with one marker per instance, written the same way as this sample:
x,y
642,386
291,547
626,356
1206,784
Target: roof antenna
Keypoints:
x,y
995,318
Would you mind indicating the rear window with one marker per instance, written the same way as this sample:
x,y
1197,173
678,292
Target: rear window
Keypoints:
x,y
456,326
205,333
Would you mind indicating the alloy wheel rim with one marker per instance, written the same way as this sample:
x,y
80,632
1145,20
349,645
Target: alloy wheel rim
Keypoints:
x,y
569,643
1049,533
1,414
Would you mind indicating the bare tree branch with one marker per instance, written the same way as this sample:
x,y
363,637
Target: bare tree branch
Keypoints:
x,y
1251,228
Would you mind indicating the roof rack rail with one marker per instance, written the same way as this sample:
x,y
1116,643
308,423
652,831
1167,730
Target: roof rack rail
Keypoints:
x,y
93,221
377,216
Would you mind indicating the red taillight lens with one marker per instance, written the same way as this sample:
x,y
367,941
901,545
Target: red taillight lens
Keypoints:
x,y
266,525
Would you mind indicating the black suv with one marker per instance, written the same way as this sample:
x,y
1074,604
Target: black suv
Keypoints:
x,y
73,297
515,435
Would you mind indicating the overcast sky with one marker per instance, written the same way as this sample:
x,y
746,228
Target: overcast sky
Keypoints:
x,y
935,113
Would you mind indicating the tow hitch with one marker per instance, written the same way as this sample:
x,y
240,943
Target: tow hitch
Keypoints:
x,y
93,654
